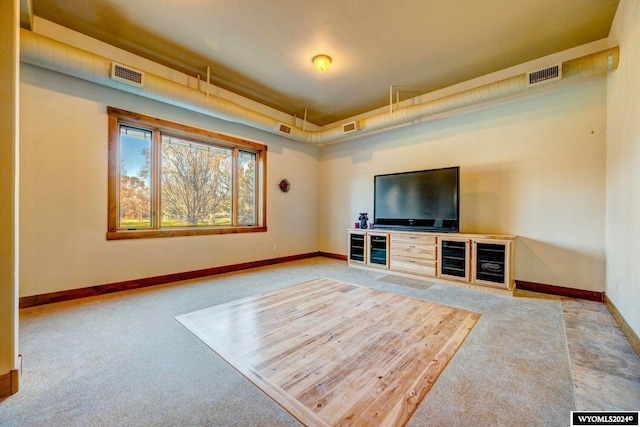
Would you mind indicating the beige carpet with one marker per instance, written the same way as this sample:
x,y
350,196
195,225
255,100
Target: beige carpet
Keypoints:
x,y
333,353
122,359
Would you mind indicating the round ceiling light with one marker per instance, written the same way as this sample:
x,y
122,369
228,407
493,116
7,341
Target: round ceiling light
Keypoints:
x,y
321,62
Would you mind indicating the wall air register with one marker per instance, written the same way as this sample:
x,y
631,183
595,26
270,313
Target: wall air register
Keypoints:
x,y
282,128
350,127
126,75
547,75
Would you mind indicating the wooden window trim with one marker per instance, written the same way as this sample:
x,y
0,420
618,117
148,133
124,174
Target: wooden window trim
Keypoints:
x,y
118,116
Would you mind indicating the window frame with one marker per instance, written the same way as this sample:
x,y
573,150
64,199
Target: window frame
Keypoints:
x,y
161,127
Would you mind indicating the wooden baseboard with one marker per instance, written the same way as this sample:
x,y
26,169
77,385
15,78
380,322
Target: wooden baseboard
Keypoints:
x,y
560,291
632,337
333,256
9,383
72,294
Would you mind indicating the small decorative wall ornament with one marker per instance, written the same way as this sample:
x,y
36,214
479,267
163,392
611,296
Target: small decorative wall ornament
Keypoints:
x,y
363,220
284,185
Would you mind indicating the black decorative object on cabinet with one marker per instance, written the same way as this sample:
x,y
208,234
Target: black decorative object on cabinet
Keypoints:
x,y
363,220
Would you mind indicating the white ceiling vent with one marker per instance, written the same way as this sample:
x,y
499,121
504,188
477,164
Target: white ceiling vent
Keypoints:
x,y
126,74
282,128
350,127
546,75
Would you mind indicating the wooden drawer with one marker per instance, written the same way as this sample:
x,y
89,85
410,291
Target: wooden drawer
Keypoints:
x,y
413,265
410,245
413,238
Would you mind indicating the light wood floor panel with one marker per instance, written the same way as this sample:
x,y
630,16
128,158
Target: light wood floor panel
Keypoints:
x,y
333,353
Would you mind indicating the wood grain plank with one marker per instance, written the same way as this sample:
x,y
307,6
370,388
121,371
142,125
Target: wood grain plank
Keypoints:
x,y
319,333
333,353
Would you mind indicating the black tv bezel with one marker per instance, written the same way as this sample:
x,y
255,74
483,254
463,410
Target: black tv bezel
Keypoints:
x,y
419,224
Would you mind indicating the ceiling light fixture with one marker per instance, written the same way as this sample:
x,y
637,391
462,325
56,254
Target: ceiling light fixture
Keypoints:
x,y
321,62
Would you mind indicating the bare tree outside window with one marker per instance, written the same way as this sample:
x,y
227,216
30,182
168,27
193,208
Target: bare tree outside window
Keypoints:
x,y
135,189
168,179
247,189
196,184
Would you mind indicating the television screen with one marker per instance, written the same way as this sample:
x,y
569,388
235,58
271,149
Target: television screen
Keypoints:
x,y
426,200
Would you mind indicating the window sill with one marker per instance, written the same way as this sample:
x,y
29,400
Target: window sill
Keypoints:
x,y
178,232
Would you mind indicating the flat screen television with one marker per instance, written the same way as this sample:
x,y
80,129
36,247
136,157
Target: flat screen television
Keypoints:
x,y
426,200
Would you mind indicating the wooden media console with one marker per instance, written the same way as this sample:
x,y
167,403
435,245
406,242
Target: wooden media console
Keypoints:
x,y
478,261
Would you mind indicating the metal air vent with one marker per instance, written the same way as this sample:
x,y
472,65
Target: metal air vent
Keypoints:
x,y
126,74
350,127
544,76
282,128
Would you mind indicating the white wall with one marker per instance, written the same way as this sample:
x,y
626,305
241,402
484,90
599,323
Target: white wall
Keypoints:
x,y
533,166
63,193
623,166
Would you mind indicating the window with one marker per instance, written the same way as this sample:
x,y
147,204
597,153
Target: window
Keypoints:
x,y
168,179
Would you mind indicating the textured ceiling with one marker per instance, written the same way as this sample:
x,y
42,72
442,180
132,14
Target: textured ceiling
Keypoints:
x,y
263,49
